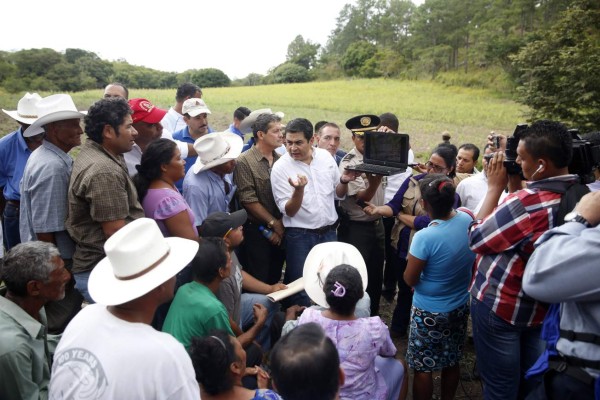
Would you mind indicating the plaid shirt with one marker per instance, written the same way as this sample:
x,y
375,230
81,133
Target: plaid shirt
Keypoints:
x,y
503,243
100,190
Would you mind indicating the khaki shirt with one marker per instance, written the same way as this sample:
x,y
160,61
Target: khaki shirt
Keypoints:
x,y
354,211
252,176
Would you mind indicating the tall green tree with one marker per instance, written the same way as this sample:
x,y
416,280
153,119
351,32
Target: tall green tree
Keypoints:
x,y
559,73
302,52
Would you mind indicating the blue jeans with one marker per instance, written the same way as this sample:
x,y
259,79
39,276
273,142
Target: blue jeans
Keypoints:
x,y
81,284
504,353
10,226
248,300
299,242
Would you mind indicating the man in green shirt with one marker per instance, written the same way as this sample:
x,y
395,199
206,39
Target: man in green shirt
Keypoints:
x,y
34,274
196,310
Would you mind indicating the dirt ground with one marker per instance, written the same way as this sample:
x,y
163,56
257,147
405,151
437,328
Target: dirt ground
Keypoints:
x,y
469,386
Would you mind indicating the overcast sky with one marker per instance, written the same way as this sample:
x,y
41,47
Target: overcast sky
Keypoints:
x,y
237,37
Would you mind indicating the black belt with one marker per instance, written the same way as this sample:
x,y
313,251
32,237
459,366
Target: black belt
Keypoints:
x,y
365,223
15,203
566,367
319,231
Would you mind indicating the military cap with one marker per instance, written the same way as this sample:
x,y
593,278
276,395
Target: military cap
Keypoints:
x,y
362,123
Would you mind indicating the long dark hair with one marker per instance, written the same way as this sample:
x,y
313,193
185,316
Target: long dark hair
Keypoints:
x,y
158,153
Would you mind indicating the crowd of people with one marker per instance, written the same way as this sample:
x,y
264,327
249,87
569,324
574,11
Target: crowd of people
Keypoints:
x,y
141,268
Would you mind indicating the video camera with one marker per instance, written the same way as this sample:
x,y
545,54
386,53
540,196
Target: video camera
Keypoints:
x,y
585,155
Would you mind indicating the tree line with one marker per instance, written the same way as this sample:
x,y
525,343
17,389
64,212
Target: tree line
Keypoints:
x,y
547,51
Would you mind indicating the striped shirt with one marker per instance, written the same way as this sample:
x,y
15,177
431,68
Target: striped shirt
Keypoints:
x,y
503,243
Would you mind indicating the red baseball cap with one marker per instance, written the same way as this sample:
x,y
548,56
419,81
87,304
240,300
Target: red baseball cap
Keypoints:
x,y
145,111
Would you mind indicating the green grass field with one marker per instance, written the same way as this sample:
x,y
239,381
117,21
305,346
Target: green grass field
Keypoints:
x,y
425,109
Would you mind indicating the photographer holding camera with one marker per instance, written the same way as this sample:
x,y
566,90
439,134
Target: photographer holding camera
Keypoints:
x,y
506,321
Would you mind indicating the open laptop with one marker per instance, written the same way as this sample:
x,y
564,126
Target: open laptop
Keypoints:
x,y
385,154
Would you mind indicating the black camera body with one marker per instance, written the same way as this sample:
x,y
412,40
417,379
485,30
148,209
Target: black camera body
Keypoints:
x,y
585,155
510,154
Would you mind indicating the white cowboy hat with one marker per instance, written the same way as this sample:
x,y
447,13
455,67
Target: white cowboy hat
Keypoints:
x,y
138,259
246,124
322,259
56,107
216,148
26,111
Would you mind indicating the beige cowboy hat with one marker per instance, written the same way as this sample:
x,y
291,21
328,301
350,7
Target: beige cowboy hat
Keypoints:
x,y
322,259
246,124
194,107
26,111
138,259
216,148
56,107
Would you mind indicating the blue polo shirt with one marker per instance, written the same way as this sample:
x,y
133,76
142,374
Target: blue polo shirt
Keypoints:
x,y
235,130
184,136
13,157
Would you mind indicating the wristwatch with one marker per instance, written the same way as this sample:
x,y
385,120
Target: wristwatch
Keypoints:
x,y
574,216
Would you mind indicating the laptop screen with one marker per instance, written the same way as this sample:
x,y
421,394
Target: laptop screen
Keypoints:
x,y
389,149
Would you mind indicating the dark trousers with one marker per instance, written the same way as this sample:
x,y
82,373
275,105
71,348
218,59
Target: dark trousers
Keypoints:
x,y
10,225
560,386
390,272
401,316
259,257
369,239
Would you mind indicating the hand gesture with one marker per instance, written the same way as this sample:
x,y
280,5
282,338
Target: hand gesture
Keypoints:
x,y
420,168
277,286
370,209
349,175
496,172
260,313
299,183
293,312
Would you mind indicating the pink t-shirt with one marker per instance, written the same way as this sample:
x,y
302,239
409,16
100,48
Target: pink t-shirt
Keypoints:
x,y
358,343
161,204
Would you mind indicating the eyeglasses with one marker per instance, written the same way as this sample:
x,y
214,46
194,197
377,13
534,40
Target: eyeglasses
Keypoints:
x,y
435,168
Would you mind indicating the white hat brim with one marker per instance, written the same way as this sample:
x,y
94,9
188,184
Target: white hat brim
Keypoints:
x,y
335,253
15,115
53,117
236,144
107,290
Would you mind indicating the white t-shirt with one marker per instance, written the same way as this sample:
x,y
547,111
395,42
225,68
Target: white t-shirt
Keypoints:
x,y
393,182
103,357
171,123
472,190
318,208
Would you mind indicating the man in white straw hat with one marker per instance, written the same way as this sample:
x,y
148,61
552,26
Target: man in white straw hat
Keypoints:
x,y
15,149
109,350
102,197
208,186
44,191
